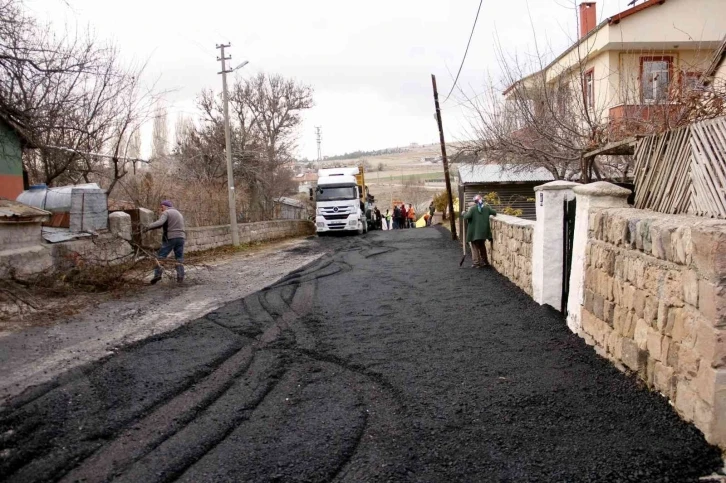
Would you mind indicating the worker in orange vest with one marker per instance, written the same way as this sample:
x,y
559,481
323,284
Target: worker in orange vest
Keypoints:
x,y
411,216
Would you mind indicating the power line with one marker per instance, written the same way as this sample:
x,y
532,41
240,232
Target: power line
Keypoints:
x,y
466,51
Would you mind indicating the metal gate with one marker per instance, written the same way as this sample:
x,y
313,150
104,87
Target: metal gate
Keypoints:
x,y
568,234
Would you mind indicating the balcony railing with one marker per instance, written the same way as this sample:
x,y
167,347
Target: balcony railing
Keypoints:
x,y
628,120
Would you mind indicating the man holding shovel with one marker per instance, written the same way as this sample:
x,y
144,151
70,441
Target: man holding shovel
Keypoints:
x,y
478,230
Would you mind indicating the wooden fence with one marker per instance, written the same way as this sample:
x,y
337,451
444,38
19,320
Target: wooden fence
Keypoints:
x,y
683,170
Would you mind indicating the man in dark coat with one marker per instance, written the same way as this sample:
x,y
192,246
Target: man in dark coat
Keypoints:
x,y
478,230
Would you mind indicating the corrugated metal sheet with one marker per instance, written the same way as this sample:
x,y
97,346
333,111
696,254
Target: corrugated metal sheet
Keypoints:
x,y
495,173
15,211
290,202
57,235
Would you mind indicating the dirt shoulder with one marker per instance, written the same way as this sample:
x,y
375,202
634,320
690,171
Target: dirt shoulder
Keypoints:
x,y
35,349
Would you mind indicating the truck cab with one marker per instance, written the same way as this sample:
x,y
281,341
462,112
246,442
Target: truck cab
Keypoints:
x,y
338,203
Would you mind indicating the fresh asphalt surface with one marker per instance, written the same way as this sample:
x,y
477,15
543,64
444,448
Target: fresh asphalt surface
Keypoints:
x,y
381,362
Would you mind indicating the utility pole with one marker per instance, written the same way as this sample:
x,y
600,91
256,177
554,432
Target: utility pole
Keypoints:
x,y
228,147
444,159
319,137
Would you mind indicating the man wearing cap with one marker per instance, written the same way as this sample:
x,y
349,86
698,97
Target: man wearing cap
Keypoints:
x,y
172,239
478,230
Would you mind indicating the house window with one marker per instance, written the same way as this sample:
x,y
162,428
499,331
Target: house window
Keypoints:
x,y
589,89
655,78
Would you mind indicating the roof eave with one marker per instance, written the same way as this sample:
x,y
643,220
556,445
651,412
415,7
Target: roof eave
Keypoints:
x,y
19,129
615,19
592,32
716,62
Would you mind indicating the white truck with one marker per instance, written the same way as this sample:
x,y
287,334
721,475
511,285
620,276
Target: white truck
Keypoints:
x,y
341,200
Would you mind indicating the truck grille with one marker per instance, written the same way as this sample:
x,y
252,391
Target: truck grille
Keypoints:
x,y
342,210
335,217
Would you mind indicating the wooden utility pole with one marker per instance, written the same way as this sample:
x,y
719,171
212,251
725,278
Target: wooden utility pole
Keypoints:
x,y
444,159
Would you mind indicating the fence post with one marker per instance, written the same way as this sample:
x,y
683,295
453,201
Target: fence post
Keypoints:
x,y
547,243
589,197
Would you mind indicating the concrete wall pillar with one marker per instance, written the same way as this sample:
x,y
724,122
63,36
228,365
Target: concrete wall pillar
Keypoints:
x,y
547,253
119,223
589,197
150,239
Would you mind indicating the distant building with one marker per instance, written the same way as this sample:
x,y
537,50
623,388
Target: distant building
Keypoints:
x,y
12,142
305,181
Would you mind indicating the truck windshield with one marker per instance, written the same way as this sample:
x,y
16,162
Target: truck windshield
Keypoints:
x,y
336,193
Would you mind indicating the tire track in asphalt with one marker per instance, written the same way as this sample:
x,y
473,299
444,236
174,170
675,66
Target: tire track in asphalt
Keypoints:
x,y
211,426
147,433
212,407
52,433
180,412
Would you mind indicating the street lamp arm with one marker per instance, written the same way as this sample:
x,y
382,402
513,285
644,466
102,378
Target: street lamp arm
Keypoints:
x,y
241,65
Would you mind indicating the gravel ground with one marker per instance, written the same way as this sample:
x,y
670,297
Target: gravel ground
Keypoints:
x,y
380,362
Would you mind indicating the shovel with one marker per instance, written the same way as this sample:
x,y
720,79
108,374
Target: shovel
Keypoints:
x,y
463,245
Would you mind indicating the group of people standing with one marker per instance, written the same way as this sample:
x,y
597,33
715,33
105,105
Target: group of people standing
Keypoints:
x,y
405,217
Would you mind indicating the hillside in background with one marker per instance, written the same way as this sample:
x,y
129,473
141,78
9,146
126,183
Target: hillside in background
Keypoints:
x,y
360,154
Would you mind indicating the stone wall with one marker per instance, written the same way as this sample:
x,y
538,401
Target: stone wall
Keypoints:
x,y
27,254
511,250
655,303
206,237
105,249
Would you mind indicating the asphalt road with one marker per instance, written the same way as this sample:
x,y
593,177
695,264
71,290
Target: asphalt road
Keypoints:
x,y
381,362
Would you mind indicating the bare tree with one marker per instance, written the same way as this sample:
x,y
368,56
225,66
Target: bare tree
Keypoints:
x,y
275,105
73,96
264,118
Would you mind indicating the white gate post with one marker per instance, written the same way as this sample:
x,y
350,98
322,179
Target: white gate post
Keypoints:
x,y
547,255
589,197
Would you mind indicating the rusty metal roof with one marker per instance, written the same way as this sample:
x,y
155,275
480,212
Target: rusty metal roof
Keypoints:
x,y
11,211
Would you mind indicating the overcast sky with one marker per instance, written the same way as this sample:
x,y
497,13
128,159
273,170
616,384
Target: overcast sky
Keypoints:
x,y
369,63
